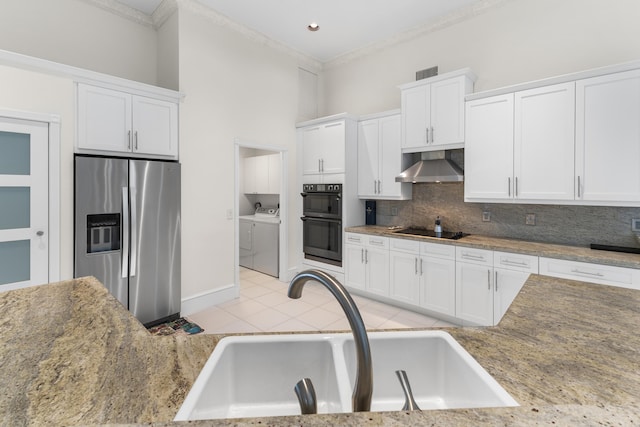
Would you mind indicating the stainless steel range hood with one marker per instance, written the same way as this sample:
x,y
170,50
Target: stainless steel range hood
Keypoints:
x,y
433,166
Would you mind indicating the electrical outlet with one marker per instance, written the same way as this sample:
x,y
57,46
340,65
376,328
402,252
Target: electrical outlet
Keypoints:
x,y
635,225
394,211
486,216
530,219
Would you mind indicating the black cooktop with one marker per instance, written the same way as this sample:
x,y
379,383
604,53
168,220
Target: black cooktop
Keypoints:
x,y
421,231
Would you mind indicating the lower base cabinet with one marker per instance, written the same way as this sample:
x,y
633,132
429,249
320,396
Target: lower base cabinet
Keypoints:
x,y
367,263
472,285
438,285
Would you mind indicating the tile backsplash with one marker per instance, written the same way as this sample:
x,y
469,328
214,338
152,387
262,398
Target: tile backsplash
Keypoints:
x,y
569,225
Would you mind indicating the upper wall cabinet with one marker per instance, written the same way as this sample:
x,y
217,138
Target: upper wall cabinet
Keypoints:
x,y
608,138
433,111
261,174
328,149
380,159
118,122
574,142
520,146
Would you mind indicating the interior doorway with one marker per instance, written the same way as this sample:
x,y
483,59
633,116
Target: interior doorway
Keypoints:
x,y
261,209
29,199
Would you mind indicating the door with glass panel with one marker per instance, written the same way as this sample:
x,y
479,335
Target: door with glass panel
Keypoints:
x,y
24,206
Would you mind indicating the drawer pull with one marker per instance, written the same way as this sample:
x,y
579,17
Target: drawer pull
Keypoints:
x,y
588,273
516,263
377,242
474,257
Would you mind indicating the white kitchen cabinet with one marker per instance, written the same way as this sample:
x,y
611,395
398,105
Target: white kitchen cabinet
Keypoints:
x,y
433,111
423,274
608,138
380,159
544,143
367,263
520,146
115,121
323,148
474,285
488,152
589,272
404,259
438,278
511,271
261,174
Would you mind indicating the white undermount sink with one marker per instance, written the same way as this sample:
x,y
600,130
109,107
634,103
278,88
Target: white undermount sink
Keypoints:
x,y
254,376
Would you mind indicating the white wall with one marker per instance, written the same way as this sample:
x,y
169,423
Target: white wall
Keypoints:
x,y
168,66
77,33
40,93
235,88
516,42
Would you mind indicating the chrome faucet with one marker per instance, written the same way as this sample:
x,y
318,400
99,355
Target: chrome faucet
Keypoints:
x,y
362,392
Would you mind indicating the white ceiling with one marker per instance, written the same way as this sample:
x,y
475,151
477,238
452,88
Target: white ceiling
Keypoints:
x,y
345,25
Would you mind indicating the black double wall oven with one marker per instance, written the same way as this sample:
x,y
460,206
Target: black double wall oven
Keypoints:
x,y
322,223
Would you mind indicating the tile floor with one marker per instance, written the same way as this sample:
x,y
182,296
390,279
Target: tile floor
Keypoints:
x,y
263,306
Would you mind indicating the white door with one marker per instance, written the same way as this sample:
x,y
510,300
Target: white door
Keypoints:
x,y
416,116
404,277
488,151
390,156
368,158
608,138
447,111
544,143
24,206
333,147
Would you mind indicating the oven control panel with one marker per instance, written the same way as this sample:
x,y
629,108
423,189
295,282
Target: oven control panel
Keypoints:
x,y
322,188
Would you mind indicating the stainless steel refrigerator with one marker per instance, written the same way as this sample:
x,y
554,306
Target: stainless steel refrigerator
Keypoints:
x,y
127,232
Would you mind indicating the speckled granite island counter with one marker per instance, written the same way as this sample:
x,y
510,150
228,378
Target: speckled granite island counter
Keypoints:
x,y
568,352
71,354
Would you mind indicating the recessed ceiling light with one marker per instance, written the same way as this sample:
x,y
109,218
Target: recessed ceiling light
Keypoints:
x,y
313,27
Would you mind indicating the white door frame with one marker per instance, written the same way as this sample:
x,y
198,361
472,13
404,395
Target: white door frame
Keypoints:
x,y
53,120
283,257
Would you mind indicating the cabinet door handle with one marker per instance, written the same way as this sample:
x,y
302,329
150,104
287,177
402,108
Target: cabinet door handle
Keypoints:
x,y
496,281
415,263
427,131
362,255
379,187
579,187
516,192
489,279
319,167
129,140
136,140
421,266
432,135
509,186
366,256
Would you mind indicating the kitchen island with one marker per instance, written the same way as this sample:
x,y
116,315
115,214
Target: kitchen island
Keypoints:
x,y
567,351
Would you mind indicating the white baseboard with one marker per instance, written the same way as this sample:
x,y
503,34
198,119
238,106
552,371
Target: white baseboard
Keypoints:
x,y
208,299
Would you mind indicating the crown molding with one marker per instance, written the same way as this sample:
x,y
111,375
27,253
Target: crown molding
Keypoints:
x,y
123,11
418,31
163,12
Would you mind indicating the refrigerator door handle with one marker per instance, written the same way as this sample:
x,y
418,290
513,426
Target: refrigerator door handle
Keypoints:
x,y
125,232
134,234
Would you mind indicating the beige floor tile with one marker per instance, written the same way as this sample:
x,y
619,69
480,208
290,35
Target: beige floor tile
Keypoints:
x,y
266,319
318,317
292,325
254,291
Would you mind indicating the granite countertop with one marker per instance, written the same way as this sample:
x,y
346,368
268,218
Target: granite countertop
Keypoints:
x,y
571,253
567,351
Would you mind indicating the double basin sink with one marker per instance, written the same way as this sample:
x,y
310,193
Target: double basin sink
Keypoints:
x,y
254,376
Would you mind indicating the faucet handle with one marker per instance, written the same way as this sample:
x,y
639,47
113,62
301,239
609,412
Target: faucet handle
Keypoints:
x,y
409,403
306,396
